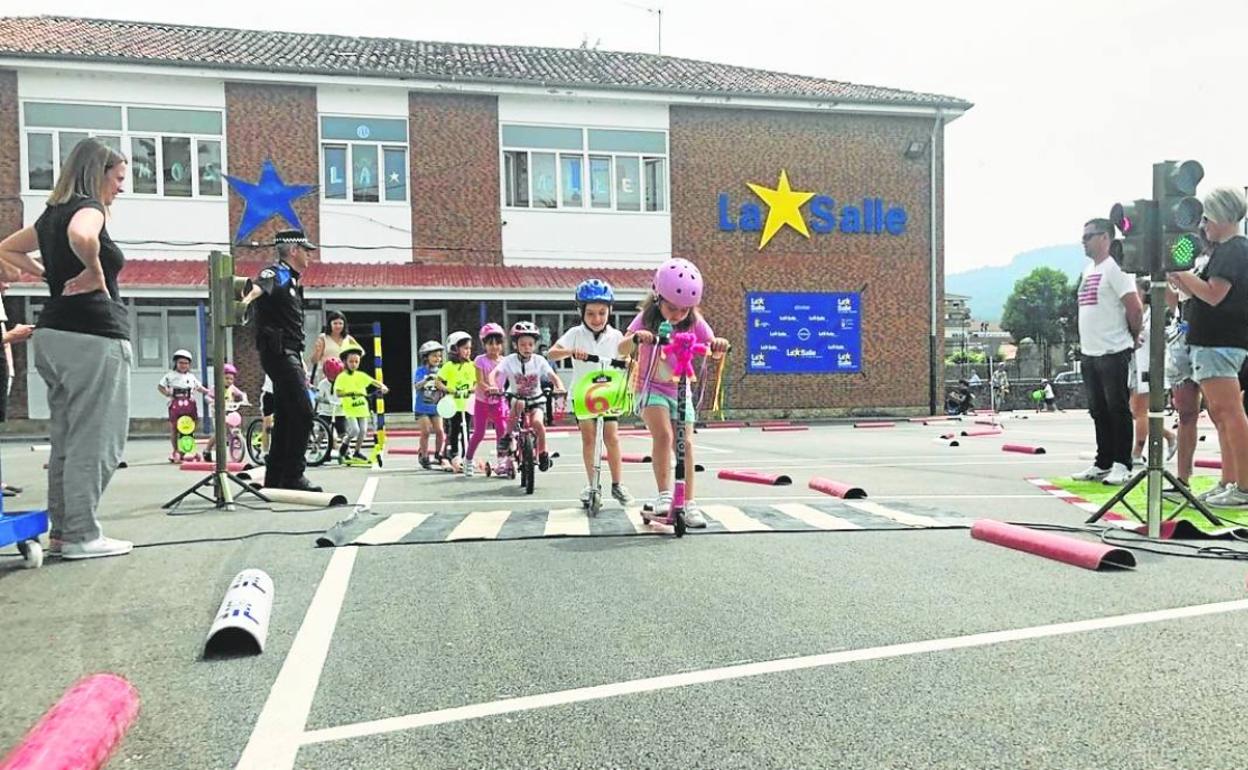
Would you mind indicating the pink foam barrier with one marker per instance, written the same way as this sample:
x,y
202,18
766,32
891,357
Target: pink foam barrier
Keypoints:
x,y
948,436
81,730
951,441
987,422
768,423
199,465
933,418
632,458
1023,449
784,428
981,432
874,424
1080,553
402,432
402,450
725,424
837,489
1209,463
754,477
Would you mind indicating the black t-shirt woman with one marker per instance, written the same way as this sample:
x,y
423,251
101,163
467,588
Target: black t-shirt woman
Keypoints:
x,y
81,344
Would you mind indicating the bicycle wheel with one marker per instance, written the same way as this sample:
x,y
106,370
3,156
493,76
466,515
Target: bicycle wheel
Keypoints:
x,y
235,446
320,442
254,441
528,464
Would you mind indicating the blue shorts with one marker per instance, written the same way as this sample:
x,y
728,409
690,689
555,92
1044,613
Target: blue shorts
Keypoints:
x,y
1211,363
669,403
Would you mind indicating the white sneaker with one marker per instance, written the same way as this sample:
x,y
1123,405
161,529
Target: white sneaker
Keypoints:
x,y
585,493
1117,476
662,504
1233,497
1092,473
94,549
469,469
1138,460
694,518
1172,448
1217,489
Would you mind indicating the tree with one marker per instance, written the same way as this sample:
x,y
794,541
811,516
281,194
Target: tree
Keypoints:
x,y
1043,307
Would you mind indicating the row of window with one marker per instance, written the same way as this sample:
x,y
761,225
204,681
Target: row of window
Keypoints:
x,y
178,153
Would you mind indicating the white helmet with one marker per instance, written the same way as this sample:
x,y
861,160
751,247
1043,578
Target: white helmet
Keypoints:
x,y
457,338
432,346
183,353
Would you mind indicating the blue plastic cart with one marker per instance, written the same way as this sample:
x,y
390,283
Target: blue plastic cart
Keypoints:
x,y
23,528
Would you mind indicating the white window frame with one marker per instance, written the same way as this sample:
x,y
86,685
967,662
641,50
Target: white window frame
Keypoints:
x,y
585,154
163,311
126,136
406,146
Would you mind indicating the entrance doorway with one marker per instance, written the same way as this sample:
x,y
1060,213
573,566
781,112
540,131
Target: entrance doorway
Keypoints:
x,y
396,351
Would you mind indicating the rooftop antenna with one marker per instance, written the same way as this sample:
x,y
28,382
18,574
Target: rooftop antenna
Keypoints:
x,y
658,13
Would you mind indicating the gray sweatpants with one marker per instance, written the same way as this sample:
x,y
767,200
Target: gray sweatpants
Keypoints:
x,y
88,380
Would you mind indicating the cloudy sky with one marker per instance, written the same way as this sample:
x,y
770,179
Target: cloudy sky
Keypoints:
x,y
1075,99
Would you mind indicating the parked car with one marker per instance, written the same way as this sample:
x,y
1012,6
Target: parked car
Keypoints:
x,y
1069,378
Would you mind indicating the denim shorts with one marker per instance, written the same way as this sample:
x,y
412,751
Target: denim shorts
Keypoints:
x,y
1211,363
1179,362
669,403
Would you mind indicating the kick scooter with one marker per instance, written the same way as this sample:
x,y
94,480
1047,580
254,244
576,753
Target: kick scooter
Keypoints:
x,y
589,400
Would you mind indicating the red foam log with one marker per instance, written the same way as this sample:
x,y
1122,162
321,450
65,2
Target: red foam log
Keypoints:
x,y
754,477
983,432
1080,553
633,458
934,418
987,422
1209,463
1023,449
766,423
81,730
725,424
948,436
206,466
784,428
402,450
402,432
837,489
874,424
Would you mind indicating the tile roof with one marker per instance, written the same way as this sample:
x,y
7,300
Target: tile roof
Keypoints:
x,y
193,273
60,37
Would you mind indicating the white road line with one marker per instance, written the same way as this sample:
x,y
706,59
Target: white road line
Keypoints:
x,y
813,517
783,665
367,494
480,525
392,530
278,733
567,521
901,517
734,519
762,499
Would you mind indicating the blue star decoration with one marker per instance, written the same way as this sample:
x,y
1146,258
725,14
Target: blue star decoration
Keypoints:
x,y
268,197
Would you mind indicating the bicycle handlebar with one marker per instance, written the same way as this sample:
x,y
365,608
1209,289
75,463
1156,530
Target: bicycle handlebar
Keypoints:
x,y
618,363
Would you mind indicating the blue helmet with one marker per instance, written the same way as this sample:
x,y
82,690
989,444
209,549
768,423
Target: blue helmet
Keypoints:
x,y
594,290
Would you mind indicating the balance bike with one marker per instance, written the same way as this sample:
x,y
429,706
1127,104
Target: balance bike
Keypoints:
x,y
680,352
183,413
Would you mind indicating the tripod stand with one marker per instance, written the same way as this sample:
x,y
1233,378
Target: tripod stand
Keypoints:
x,y
1156,470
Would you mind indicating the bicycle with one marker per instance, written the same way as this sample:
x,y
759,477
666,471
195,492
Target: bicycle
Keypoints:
x,y
598,395
320,440
235,444
523,440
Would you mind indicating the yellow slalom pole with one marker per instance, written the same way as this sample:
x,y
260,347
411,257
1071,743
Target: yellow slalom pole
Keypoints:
x,y
379,443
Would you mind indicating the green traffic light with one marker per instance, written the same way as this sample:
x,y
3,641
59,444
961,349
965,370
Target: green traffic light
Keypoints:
x,y
1183,252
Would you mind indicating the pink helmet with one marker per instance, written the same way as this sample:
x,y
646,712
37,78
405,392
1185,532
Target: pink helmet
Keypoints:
x,y
332,368
490,330
679,282
229,369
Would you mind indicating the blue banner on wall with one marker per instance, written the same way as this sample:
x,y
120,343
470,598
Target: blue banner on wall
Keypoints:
x,y
803,333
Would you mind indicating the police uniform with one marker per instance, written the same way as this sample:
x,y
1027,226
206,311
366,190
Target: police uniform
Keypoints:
x,y
279,340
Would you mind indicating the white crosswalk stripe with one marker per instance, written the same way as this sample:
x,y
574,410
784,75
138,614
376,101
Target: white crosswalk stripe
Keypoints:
x,y
393,529
480,525
813,517
901,517
567,521
734,519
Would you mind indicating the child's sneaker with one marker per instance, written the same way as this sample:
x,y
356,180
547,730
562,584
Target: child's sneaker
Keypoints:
x,y
543,462
694,518
620,493
175,457
585,493
359,456
469,470
425,462
662,504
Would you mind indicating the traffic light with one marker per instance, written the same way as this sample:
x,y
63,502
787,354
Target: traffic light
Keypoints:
x,y
1138,224
227,291
1174,188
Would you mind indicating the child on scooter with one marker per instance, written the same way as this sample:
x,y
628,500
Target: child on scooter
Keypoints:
x,y
484,411
524,371
677,293
458,377
595,335
426,390
352,386
179,385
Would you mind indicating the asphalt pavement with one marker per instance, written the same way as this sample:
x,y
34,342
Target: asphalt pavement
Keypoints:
x,y
871,649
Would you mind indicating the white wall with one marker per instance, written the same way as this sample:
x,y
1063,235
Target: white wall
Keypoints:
x,y
140,219
584,238
365,224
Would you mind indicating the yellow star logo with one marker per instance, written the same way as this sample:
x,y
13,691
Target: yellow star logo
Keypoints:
x,y
783,208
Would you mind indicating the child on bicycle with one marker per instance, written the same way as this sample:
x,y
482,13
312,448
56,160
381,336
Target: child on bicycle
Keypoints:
x,y
459,378
235,399
675,298
485,411
352,386
595,335
524,371
426,390
179,385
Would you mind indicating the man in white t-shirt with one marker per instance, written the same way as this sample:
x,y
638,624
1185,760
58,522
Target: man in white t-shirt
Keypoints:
x,y
1110,318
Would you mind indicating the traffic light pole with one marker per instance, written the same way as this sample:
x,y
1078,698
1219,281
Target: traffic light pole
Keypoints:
x,y
220,291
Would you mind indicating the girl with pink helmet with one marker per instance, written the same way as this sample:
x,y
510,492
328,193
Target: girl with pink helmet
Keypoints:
x,y
675,295
483,409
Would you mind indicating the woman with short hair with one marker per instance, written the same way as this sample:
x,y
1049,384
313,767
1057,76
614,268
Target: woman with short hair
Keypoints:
x,y
82,344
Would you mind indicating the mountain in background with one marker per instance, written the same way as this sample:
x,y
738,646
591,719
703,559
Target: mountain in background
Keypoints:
x,y
989,287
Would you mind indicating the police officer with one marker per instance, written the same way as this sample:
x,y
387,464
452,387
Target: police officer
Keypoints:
x,y
278,299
